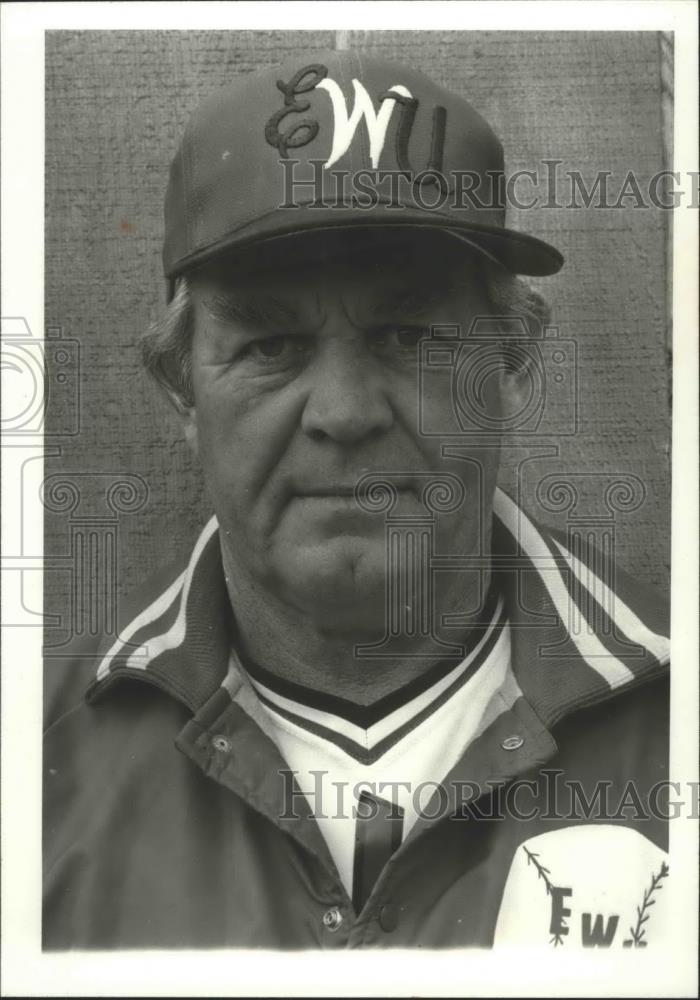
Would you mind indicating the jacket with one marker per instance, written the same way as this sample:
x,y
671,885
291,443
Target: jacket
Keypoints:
x,y
166,819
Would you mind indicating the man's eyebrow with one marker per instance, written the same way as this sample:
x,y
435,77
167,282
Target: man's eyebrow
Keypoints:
x,y
409,301
251,310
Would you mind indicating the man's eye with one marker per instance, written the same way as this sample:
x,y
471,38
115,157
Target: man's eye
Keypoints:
x,y
277,348
410,336
270,347
402,338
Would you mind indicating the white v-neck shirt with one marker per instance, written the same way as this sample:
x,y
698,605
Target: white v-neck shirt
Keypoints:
x,y
322,749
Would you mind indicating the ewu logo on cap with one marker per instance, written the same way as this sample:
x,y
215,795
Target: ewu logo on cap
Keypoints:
x,y
346,139
346,124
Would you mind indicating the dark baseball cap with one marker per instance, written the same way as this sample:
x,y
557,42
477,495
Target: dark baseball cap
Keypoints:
x,y
338,139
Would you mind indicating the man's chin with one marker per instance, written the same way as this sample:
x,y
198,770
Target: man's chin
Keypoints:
x,y
339,583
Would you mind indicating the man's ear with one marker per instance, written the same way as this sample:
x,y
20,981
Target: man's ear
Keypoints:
x,y
520,375
188,420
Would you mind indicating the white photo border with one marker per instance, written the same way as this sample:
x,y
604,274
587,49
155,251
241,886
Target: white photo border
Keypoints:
x,y
26,971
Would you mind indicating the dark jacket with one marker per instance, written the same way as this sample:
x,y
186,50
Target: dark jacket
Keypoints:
x,y
166,815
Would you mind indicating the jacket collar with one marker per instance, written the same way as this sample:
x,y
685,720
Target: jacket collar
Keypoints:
x,y
578,636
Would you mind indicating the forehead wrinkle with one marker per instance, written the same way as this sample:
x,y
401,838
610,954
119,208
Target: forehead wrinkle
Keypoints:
x,y
257,309
404,300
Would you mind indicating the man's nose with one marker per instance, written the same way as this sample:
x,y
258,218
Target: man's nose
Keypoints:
x,y
347,401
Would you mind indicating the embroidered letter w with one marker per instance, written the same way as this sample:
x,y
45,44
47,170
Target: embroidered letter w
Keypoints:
x,y
346,125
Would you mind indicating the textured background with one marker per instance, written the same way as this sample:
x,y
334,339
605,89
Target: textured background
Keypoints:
x,y
116,103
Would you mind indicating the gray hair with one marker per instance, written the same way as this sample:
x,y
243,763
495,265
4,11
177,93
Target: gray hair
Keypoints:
x,y
166,346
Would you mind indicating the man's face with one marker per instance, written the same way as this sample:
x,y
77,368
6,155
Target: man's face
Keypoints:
x,y
306,378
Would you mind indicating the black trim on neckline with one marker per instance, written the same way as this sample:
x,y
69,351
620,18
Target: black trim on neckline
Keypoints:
x,y
366,756
365,716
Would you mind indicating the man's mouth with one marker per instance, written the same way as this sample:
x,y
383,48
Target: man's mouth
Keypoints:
x,y
327,490
334,490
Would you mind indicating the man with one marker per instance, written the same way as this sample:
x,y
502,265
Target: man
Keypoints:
x,y
344,721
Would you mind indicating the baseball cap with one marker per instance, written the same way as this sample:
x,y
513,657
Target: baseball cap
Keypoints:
x,y
335,139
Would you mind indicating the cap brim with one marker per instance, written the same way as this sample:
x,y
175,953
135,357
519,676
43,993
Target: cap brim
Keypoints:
x,y
518,252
